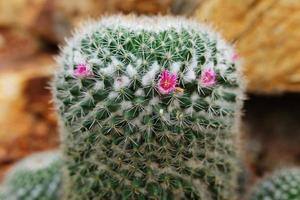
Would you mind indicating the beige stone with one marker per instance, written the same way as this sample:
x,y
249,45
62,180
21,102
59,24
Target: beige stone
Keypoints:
x,y
267,36
27,118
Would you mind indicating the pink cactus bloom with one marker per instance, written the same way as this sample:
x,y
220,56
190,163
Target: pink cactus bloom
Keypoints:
x,y
167,82
208,78
82,71
235,57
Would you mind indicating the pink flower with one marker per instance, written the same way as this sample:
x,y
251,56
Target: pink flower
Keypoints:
x,y
167,82
235,57
208,77
82,71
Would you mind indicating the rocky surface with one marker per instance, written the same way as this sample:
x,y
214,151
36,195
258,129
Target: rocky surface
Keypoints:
x,y
267,36
16,44
27,120
52,20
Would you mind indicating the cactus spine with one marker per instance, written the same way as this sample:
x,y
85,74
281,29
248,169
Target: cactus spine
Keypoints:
x,y
281,185
149,108
37,177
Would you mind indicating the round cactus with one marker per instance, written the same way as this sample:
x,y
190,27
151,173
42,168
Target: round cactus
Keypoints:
x,y
149,109
37,177
281,185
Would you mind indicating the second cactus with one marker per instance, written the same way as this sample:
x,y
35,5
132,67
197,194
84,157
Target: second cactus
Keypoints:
x,y
36,177
282,184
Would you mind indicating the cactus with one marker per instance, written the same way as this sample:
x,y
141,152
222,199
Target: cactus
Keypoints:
x,y
283,184
149,108
37,177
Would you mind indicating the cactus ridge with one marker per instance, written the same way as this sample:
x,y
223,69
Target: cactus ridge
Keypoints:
x,y
123,138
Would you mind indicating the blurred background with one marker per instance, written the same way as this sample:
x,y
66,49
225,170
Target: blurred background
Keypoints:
x,y
266,34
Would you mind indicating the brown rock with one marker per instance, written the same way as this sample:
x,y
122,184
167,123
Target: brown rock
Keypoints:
x,y
63,15
27,119
15,44
267,36
184,7
52,20
142,6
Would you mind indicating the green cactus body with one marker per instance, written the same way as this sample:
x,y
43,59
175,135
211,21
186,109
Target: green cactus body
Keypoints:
x,y
37,177
281,185
149,108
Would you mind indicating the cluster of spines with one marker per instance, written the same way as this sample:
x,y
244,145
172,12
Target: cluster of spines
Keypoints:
x,y
283,184
36,177
144,139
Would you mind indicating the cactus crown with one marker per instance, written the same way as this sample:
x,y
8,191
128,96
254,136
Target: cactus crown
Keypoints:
x,y
36,177
148,107
281,185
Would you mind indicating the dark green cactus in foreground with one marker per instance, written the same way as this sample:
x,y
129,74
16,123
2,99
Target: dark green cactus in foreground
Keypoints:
x,y
37,177
149,109
281,185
